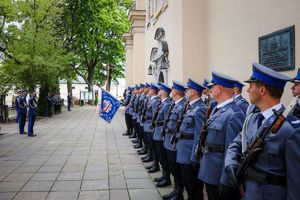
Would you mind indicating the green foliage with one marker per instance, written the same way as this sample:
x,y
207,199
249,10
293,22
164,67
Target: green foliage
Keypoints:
x,y
44,41
93,31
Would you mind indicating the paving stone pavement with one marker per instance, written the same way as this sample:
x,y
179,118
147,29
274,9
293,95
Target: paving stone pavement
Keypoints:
x,y
75,155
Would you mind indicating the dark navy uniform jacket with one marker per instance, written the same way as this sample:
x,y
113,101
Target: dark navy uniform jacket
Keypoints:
x,y
22,105
223,126
151,107
171,125
241,103
191,124
142,102
296,110
135,107
32,106
161,117
131,104
126,103
17,103
281,157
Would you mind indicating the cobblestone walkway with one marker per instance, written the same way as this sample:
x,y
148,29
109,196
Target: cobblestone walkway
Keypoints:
x,y
75,155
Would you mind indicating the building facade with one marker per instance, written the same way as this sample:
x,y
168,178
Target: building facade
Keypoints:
x,y
181,39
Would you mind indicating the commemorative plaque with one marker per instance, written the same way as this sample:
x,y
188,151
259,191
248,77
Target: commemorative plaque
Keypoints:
x,y
277,49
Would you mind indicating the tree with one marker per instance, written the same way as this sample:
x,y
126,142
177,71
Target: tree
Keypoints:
x,y
93,30
34,56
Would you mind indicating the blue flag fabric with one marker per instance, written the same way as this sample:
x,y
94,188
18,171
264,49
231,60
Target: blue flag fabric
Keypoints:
x,y
109,105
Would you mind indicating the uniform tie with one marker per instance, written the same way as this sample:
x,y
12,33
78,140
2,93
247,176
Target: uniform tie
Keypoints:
x,y
260,119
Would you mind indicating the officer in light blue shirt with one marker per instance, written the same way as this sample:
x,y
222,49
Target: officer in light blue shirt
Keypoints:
x,y
152,105
207,98
177,94
296,93
22,112
223,125
274,173
32,113
159,119
127,115
188,139
135,113
240,101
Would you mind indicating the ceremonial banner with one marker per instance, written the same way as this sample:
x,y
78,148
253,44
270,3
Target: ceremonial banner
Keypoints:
x,y
109,105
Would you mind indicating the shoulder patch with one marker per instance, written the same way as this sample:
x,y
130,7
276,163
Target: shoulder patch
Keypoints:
x,y
294,121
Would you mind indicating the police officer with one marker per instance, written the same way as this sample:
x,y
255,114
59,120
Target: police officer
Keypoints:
x,y
152,105
177,94
159,119
22,112
238,98
48,110
17,104
296,93
144,99
135,112
274,173
32,112
223,125
188,139
127,115
207,98
69,99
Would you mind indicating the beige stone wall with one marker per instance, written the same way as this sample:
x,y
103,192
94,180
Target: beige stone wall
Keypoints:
x,y
233,28
171,21
220,35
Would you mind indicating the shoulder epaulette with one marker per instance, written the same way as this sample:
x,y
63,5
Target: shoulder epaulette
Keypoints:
x,y
294,121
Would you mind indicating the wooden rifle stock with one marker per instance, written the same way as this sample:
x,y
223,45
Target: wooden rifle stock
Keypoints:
x,y
178,124
256,147
203,135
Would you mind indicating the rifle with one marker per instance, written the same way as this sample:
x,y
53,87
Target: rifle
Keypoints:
x,y
174,139
143,114
163,133
256,147
155,114
203,135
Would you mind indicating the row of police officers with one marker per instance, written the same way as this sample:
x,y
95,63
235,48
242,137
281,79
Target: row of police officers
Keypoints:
x,y
23,108
207,135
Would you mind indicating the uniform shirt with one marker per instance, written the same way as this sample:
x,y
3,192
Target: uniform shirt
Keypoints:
x,y
223,125
126,103
191,124
135,107
172,121
280,156
17,103
22,105
296,109
161,117
141,105
32,105
241,103
130,106
151,107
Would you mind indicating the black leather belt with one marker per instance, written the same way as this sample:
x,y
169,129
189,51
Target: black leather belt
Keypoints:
x,y
265,178
213,148
185,136
159,123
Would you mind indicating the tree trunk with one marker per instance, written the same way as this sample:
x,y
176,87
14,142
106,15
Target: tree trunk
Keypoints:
x,y
42,102
91,70
108,79
69,86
